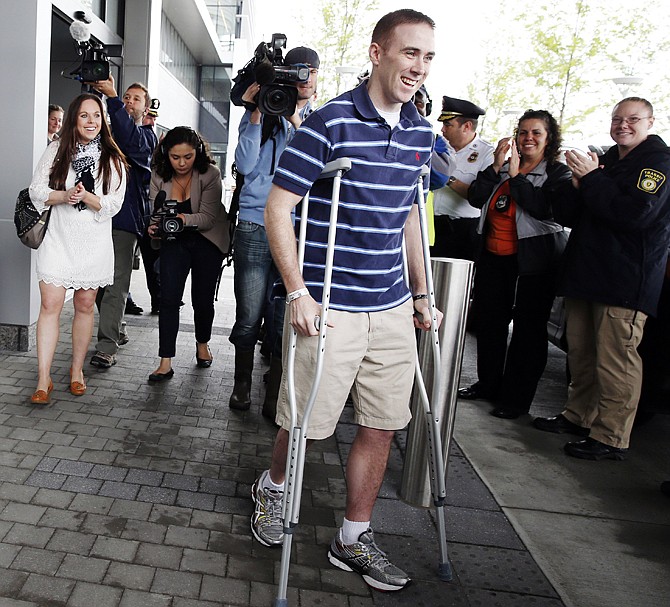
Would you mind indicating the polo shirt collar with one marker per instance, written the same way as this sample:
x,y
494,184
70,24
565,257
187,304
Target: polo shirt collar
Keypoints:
x,y
367,110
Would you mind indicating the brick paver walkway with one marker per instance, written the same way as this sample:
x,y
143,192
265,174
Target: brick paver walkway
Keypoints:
x,y
138,495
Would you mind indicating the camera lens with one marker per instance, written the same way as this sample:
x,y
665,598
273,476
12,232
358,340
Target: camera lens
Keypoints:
x,y
171,226
277,99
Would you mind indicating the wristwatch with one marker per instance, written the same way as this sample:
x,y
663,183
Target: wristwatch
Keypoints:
x,y
451,180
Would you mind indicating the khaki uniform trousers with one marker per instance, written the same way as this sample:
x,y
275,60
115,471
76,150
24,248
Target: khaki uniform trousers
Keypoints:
x,y
606,369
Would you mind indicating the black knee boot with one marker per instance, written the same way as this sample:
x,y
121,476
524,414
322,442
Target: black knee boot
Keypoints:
x,y
272,388
244,365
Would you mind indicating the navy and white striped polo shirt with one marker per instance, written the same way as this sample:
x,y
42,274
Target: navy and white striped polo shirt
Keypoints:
x,y
376,196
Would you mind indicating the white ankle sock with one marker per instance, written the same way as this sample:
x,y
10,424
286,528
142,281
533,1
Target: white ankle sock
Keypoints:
x,y
266,483
351,530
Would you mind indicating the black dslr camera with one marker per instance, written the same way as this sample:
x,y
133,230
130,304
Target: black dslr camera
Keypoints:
x,y
278,95
166,217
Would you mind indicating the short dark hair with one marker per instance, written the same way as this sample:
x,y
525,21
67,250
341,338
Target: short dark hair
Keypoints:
x,y
461,120
642,100
385,26
139,85
180,134
55,108
554,137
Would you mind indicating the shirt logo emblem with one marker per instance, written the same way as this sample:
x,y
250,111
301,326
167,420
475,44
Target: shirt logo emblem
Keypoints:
x,y
473,157
650,181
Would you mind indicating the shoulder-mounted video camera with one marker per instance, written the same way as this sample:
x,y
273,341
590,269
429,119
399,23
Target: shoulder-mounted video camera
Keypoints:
x,y
278,94
94,63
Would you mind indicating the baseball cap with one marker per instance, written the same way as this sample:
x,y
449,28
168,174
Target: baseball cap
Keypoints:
x,y
302,54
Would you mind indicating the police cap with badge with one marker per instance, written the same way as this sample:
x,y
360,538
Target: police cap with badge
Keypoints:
x,y
452,108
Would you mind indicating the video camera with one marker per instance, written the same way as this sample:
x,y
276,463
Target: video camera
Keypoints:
x,y
166,217
278,95
94,63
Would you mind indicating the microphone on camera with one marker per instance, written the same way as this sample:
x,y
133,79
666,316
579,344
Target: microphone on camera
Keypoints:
x,y
80,32
159,200
264,72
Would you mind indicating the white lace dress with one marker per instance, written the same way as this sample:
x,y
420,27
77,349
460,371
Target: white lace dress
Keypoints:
x,y
77,250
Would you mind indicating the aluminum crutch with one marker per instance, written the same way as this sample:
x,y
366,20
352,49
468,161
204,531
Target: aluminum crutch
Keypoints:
x,y
295,460
432,417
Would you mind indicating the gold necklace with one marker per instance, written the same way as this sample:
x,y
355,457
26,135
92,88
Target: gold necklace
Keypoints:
x,y
186,188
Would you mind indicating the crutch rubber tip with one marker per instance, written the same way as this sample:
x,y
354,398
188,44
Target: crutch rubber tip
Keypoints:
x,y
280,603
444,572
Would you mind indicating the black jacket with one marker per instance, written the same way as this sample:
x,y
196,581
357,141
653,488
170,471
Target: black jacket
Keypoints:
x,y
137,143
541,240
620,217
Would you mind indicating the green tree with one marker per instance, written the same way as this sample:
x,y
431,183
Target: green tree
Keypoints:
x,y
343,40
567,48
562,57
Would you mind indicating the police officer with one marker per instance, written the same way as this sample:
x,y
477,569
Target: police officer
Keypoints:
x,y
459,156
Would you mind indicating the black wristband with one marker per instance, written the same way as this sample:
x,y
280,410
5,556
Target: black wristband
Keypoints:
x,y
421,296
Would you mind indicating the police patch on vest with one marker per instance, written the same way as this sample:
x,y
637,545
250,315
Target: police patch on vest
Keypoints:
x,y
473,157
650,181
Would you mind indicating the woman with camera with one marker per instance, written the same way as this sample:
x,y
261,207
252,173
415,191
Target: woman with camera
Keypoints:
x,y
516,270
82,177
185,178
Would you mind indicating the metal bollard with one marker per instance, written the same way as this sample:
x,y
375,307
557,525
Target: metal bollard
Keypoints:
x,y
452,281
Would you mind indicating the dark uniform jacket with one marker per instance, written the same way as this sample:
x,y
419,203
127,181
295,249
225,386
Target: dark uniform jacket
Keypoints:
x,y
137,143
620,217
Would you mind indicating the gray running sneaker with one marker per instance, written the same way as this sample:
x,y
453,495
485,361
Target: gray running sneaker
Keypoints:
x,y
102,360
266,521
365,558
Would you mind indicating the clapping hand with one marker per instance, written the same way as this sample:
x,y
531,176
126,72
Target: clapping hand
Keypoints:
x,y
580,164
500,153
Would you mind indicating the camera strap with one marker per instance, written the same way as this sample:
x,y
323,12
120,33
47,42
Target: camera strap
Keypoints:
x,y
270,127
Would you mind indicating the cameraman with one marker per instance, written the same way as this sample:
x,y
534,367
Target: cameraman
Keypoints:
x,y
137,142
262,139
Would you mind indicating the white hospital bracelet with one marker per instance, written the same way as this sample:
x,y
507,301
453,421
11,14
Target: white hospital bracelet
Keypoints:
x,y
296,294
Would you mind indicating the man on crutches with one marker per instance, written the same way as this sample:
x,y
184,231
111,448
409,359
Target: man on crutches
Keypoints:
x,y
371,344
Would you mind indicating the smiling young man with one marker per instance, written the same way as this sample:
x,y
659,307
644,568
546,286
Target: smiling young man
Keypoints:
x,y
371,344
619,208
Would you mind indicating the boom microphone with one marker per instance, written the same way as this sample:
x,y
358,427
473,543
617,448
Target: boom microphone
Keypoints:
x,y
80,31
159,200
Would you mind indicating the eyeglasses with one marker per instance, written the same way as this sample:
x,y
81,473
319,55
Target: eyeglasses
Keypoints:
x,y
617,120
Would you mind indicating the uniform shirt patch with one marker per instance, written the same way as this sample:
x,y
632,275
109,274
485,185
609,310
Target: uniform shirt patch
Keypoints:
x,y
473,157
650,181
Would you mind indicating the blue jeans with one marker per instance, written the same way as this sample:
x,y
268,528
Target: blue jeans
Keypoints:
x,y
254,270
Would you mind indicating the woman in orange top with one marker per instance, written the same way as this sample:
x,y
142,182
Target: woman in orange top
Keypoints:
x,y
516,271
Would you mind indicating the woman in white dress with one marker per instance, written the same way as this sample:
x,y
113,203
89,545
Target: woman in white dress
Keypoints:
x,y
82,176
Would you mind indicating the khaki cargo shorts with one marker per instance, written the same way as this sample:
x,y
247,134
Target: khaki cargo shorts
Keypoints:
x,y
368,354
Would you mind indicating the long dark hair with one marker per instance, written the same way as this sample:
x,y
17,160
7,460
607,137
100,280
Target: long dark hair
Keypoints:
x,y
110,152
180,134
554,138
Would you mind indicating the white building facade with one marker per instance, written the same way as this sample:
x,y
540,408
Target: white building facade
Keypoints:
x,y
185,51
